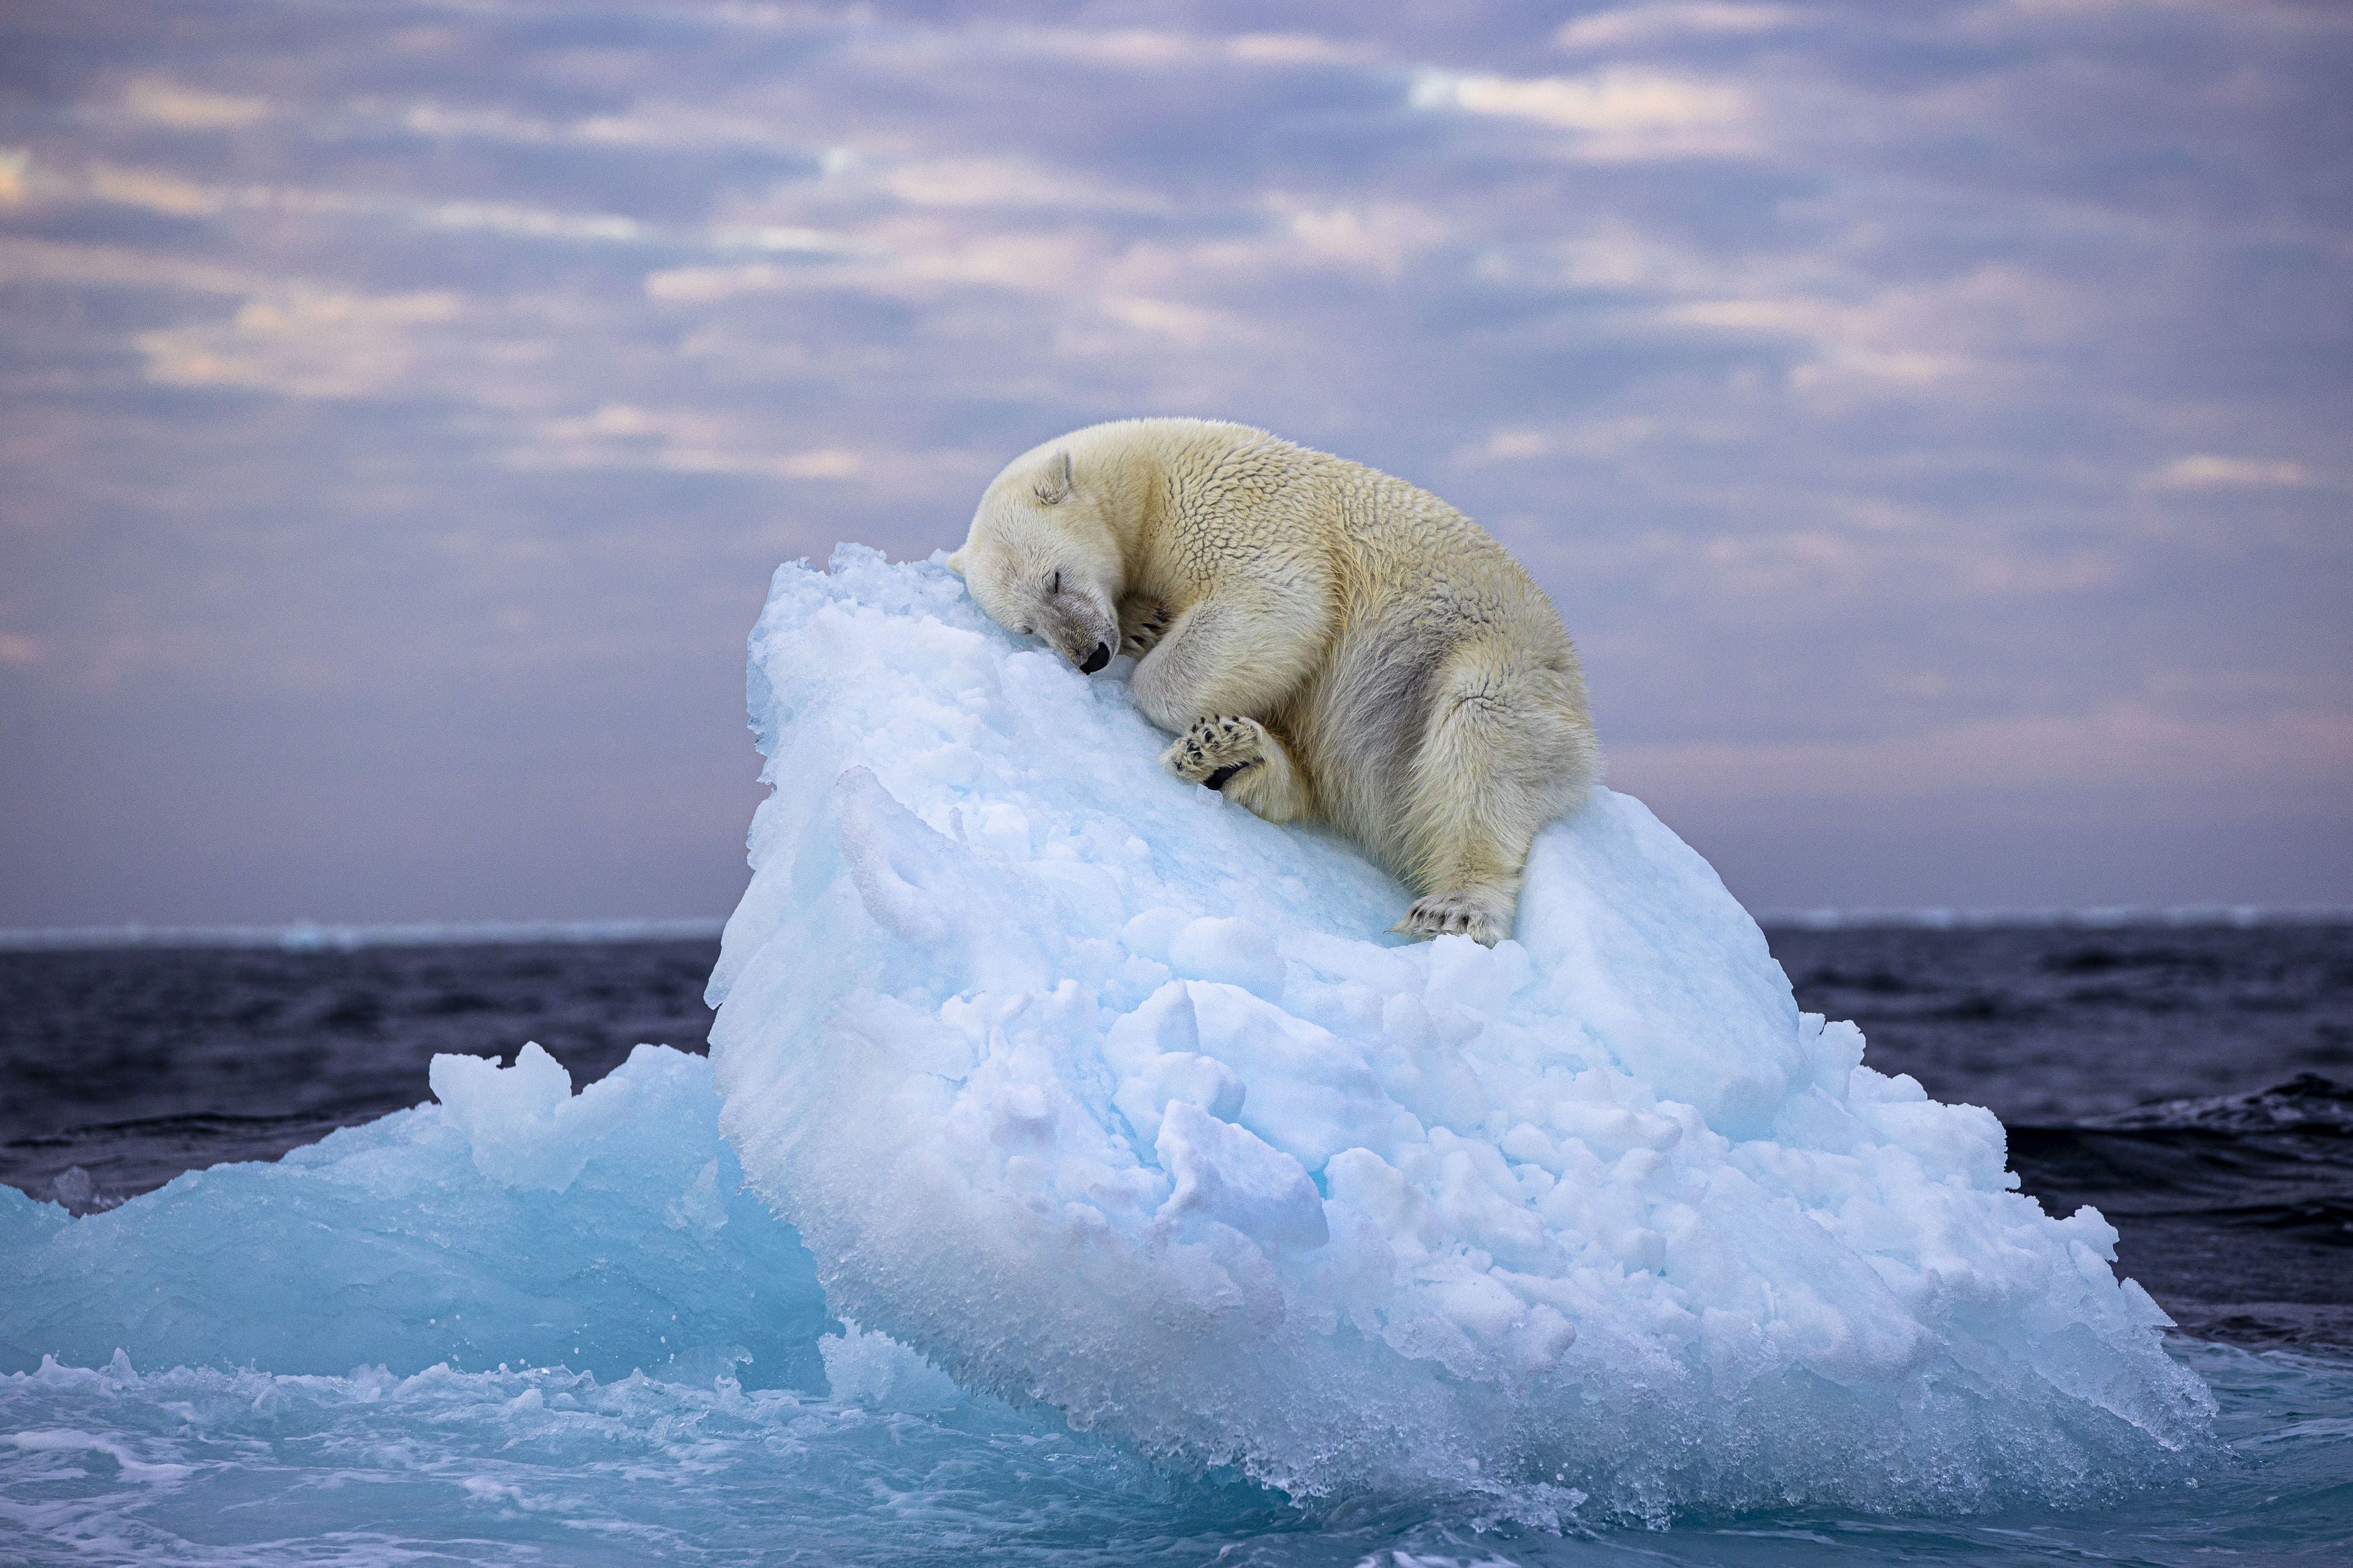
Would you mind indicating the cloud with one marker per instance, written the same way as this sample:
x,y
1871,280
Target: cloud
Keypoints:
x,y
1903,337
160,101
1093,278
1669,22
1591,438
1297,50
2204,470
648,124
301,343
1377,236
56,262
1005,183
2136,747
617,436
1873,557
1621,114
154,192
709,285
1153,50
1188,324
172,195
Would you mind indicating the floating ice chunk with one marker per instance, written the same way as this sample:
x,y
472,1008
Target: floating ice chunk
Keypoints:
x,y
877,1370
515,1222
1095,1089
525,1125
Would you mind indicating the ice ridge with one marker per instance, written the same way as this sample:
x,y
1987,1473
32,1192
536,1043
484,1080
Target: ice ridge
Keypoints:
x,y
1102,1093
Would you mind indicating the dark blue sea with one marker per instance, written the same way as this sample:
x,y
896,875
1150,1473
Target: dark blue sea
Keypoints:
x,y
2193,1081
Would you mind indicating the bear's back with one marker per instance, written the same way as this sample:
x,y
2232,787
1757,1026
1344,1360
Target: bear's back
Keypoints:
x,y
1417,557
1236,502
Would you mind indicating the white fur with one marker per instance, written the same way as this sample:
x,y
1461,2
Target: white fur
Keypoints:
x,y
1326,641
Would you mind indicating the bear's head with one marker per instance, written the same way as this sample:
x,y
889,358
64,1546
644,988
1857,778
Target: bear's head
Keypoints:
x,y
1041,561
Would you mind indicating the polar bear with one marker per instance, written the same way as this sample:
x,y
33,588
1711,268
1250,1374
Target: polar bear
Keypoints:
x,y
1326,642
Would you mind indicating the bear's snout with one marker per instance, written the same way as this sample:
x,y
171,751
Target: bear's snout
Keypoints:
x,y
1095,661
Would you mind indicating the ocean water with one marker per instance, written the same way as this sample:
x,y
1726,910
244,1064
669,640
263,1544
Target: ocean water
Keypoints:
x,y
2184,1080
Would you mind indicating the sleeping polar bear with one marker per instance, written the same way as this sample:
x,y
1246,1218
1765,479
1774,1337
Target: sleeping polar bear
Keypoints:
x,y
1325,640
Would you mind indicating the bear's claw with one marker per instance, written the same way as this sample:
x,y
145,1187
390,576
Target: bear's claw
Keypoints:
x,y
1214,750
1147,632
1451,914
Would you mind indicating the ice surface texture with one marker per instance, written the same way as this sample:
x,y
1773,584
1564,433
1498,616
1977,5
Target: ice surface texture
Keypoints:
x,y
514,1223
1101,1092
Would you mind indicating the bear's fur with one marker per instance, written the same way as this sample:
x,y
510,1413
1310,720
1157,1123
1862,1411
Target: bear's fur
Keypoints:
x,y
1325,640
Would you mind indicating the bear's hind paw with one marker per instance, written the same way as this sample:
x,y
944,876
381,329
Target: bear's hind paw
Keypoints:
x,y
1451,914
1215,749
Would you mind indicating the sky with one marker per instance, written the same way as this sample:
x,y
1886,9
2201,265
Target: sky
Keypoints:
x,y
1931,419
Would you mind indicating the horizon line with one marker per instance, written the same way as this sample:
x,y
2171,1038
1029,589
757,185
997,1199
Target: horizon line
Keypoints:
x,y
323,936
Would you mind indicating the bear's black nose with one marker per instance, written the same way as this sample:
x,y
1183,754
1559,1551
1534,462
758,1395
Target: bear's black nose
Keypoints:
x,y
1097,659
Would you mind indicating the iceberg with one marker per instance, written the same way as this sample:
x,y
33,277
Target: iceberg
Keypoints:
x,y
509,1224
1103,1095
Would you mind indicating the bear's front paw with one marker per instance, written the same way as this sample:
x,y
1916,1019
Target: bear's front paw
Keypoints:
x,y
1142,624
1451,914
1214,750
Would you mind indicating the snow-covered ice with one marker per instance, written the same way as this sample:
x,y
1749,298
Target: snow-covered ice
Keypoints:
x,y
1101,1093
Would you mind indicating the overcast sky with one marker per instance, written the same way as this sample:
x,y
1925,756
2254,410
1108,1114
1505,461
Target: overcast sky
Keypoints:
x,y
1930,418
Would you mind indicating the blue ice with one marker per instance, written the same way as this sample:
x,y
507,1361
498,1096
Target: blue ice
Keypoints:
x,y
510,1222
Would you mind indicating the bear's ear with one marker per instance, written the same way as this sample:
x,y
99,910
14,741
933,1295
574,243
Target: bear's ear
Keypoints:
x,y
955,562
1055,487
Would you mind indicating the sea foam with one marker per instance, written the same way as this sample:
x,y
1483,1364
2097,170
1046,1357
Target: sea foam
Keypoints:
x,y
1102,1093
